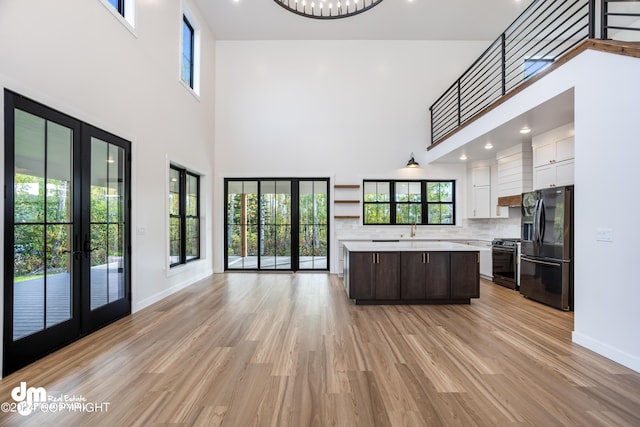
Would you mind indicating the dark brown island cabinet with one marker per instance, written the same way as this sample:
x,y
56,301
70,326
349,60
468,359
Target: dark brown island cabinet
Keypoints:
x,y
413,273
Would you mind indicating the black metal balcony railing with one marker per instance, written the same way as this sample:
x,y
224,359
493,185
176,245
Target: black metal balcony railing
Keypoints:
x,y
541,34
544,32
620,20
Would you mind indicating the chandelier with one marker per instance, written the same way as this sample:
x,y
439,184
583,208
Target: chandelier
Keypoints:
x,y
327,9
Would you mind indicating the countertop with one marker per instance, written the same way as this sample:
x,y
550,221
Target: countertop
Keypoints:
x,y
415,246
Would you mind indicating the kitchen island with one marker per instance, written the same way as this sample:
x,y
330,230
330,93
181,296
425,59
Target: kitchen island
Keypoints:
x,y
411,272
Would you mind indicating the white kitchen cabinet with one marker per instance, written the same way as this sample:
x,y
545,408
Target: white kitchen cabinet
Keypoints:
x,y
544,176
553,175
551,152
564,173
483,200
565,149
543,154
481,176
486,259
553,158
480,200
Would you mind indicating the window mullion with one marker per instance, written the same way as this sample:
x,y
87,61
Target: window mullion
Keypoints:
x,y
423,201
183,217
392,202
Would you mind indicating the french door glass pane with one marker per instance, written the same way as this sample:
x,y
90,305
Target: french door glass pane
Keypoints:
x,y
313,237
28,280
43,224
107,223
275,231
58,274
242,223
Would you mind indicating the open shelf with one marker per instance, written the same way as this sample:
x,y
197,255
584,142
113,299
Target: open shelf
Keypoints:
x,y
345,194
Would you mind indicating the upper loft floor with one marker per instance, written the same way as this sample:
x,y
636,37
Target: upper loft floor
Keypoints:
x,y
543,38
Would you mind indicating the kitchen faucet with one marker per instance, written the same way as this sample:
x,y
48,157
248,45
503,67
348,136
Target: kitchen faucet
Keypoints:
x,y
413,229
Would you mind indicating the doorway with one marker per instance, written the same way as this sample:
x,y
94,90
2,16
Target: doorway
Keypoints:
x,y
277,224
67,232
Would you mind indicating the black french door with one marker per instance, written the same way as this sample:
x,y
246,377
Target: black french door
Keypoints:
x,y
277,224
67,232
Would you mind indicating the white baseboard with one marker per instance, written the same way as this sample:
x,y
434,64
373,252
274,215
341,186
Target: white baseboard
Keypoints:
x,y
172,290
603,349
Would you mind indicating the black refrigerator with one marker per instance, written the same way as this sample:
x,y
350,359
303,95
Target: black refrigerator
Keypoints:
x,y
546,260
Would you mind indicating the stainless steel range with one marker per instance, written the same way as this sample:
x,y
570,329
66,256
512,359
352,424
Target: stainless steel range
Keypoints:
x,y
505,254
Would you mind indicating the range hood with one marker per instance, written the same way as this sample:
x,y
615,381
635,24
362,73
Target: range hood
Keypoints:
x,y
511,201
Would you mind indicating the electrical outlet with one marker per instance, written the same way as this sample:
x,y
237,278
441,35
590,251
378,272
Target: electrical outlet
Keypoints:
x,y
604,235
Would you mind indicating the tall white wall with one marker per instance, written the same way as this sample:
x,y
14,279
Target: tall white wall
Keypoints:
x,y
607,177
347,110
76,57
607,288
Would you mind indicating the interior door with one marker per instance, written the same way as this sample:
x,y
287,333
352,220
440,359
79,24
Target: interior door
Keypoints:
x,y
66,267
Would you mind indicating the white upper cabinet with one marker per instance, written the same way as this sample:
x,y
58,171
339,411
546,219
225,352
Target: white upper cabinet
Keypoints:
x,y
553,151
483,200
481,176
553,158
565,149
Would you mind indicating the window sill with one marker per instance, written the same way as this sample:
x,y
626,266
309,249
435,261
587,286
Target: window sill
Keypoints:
x,y
192,91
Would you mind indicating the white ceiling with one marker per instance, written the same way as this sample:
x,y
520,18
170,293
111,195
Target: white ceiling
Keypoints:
x,y
390,20
396,20
551,114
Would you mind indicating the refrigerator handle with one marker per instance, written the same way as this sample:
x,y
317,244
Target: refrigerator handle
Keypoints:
x,y
542,224
535,222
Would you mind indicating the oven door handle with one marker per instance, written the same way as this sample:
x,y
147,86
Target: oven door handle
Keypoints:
x,y
512,251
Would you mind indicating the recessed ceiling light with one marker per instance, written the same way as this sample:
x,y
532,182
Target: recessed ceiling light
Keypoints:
x,y
463,157
488,146
525,130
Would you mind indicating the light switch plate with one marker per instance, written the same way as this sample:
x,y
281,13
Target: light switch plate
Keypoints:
x,y
604,235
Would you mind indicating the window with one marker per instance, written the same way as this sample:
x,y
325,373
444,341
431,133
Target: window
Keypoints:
x,y
534,66
419,202
440,202
377,203
124,10
118,5
184,216
189,69
188,39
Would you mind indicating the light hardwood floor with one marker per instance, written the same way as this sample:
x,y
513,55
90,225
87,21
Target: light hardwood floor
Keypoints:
x,y
291,350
